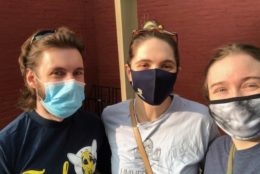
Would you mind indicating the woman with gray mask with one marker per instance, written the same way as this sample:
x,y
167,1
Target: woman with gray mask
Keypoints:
x,y
233,88
174,132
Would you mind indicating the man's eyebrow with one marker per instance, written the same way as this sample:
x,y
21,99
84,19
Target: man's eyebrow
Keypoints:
x,y
57,68
80,69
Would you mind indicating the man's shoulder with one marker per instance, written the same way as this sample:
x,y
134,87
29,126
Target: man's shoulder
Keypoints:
x,y
86,115
18,124
14,131
87,119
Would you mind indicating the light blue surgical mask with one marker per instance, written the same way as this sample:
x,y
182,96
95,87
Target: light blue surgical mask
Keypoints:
x,y
63,99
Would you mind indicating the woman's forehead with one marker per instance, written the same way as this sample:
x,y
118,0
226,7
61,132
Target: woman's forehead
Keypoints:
x,y
154,49
233,66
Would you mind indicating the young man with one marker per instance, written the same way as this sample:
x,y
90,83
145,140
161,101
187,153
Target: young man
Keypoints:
x,y
53,135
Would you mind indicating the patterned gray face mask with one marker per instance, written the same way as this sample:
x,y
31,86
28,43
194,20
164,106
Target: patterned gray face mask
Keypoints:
x,y
239,117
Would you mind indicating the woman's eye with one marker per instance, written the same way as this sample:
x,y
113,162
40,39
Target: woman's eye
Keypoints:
x,y
219,90
167,67
251,86
143,66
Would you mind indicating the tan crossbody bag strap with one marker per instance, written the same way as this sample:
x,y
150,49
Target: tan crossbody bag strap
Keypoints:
x,y
138,139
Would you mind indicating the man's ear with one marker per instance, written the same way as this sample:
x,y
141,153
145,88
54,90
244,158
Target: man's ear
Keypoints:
x,y
128,72
30,78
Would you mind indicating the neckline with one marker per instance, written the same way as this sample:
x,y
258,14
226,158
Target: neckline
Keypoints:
x,y
248,150
50,123
163,116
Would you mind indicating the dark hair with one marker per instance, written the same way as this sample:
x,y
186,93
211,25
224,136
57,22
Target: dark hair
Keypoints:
x,y
222,52
152,29
31,52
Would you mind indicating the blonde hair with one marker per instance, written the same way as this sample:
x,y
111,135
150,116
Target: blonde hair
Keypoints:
x,y
151,25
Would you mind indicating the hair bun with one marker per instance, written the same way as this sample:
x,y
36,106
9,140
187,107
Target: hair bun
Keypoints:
x,y
152,25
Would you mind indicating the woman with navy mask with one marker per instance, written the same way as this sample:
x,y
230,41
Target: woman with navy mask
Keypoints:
x,y
53,134
174,132
232,86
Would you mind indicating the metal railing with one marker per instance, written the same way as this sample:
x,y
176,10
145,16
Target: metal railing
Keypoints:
x,y
100,97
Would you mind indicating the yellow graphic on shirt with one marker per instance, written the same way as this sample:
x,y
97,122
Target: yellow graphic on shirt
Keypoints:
x,y
84,160
65,170
65,167
34,172
87,162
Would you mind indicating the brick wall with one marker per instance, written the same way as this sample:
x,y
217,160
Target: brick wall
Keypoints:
x,y
18,20
202,26
106,41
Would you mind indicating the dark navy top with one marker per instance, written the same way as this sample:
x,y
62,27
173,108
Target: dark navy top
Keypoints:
x,y
245,161
32,144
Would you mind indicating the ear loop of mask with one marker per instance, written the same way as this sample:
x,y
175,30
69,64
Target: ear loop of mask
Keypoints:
x,y
130,69
131,82
37,91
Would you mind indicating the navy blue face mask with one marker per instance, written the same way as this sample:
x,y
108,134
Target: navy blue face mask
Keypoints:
x,y
153,85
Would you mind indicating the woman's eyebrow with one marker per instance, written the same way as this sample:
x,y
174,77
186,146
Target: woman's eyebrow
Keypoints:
x,y
169,61
144,60
216,84
251,78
